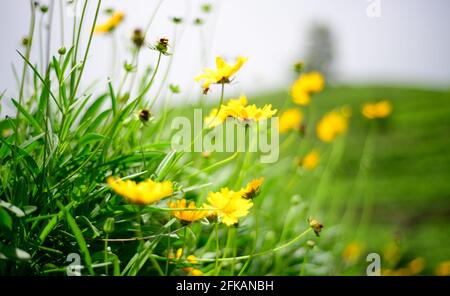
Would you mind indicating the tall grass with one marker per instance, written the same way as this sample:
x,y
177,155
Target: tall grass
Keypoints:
x,y
64,143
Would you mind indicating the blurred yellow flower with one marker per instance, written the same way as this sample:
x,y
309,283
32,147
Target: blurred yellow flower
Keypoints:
x,y
188,216
144,193
195,272
305,85
316,226
310,161
352,252
238,109
228,205
115,20
332,125
290,119
391,253
416,266
252,189
443,269
381,109
221,74
177,255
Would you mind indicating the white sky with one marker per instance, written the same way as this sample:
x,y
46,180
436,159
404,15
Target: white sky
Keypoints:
x,y
409,43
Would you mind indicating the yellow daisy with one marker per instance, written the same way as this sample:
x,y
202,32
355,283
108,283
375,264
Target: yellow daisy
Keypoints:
x,y
305,85
252,189
221,74
108,26
310,161
381,109
228,205
238,109
332,125
188,216
144,193
290,119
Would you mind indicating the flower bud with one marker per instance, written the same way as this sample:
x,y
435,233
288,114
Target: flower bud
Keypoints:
x,y
62,50
108,227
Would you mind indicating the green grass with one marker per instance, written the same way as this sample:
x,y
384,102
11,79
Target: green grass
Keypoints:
x,y
408,180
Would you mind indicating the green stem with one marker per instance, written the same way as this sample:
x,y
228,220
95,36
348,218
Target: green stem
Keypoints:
x,y
77,84
106,254
24,69
244,257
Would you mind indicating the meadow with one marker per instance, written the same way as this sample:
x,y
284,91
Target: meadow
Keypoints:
x,y
91,184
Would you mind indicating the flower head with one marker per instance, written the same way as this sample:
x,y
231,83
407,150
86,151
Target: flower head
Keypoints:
x,y
316,226
381,109
332,125
305,85
115,20
290,119
228,205
353,252
443,269
188,216
252,189
144,193
239,110
221,74
310,161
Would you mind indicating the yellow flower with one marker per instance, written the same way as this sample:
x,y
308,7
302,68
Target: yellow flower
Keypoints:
x,y
178,254
188,216
416,266
221,74
353,252
391,253
310,161
305,85
290,119
252,189
238,109
332,125
144,193
110,24
381,109
228,205
316,226
195,272
215,119
443,269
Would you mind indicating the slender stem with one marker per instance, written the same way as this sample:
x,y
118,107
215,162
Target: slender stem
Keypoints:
x,y
87,50
24,69
49,32
217,247
106,254
244,257
149,84
61,20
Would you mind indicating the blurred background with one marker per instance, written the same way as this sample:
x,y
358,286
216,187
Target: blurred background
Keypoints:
x,y
378,41
368,50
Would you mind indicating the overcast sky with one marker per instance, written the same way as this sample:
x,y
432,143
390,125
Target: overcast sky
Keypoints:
x,y
408,43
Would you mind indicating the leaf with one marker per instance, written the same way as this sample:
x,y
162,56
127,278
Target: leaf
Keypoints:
x,y
28,116
80,239
164,165
10,252
94,108
91,137
42,80
12,208
113,98
5,219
